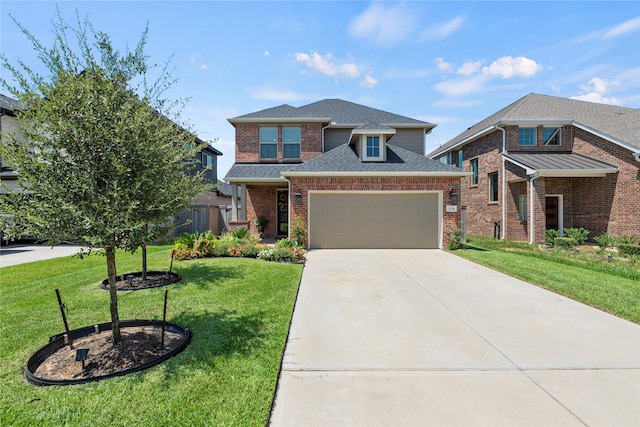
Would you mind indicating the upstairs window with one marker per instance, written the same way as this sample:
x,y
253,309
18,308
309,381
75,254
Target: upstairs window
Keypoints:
x,y
493,187
552,136
207,161
268,142
373,148
527,136
291,142
474,170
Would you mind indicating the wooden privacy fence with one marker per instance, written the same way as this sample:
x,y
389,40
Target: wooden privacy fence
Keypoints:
x,y
201,218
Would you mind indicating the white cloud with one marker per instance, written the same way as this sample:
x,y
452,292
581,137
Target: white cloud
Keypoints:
x,y
443,65
508,67
469,68
266,53
625,28
327,65
369,81
444,30
194,57
596,91
461,86
204,67
385,24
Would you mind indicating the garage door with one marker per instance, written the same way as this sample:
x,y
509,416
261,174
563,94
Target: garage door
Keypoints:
x,y
374,220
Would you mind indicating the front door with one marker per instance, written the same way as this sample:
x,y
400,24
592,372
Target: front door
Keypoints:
x,y
552,212
282,213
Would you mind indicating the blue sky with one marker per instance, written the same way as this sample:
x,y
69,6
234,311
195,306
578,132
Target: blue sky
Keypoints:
x,y
451,63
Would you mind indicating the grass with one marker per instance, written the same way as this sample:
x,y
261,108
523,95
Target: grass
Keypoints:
x,y
238,309
612,287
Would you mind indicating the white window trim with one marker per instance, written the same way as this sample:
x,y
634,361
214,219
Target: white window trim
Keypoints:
x,y
298,143
559,131
267,143
363,142
535,136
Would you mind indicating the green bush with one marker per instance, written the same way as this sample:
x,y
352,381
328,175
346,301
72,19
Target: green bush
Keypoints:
x,y
604,240
298,232
222,249
250,251
455,239
283,255
284,243
629,249
625,240
241,233
550,237
266,254
579,235
564,243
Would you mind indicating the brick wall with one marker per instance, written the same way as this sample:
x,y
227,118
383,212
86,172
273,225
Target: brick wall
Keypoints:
x,y
248,143
451,220
512,140
261,201
481,214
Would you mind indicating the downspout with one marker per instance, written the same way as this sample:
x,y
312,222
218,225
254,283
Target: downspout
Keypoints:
x,y
329,125
531,224
504,184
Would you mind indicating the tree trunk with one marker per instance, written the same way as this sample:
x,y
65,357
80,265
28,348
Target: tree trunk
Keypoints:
x,y
144,261
113,293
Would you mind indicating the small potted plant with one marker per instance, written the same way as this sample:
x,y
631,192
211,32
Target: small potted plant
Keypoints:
x,y
260,222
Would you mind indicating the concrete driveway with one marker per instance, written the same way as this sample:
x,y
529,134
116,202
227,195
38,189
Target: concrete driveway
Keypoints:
x,y
22,253
425,338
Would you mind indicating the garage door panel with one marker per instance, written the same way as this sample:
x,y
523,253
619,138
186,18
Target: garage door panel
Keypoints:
x,y
374,220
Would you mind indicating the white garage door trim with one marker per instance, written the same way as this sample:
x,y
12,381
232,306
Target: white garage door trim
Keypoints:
x,y
438,193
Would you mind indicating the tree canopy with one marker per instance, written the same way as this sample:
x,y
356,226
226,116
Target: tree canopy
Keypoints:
x,y
101,154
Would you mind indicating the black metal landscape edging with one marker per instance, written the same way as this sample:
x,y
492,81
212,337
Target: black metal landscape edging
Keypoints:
x,y
57,341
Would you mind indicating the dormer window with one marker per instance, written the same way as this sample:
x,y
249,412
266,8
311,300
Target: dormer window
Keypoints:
x,y
373,147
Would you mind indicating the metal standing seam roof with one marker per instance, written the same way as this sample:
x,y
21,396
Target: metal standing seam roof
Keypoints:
x,y
336,111
559,164
617,123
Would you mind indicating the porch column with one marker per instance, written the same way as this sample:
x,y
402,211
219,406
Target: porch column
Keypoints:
x,y
234,201
243,202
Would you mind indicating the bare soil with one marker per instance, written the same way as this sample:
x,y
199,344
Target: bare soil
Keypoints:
x,y
139,345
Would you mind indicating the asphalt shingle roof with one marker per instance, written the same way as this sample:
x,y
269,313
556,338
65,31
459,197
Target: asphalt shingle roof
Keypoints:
x,y
254,171
9,104
337,110
620,123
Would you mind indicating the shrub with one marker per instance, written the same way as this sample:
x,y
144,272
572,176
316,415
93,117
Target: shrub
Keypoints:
x,y
222,248
629,249
241,233
604,240
283,255
181,254
455,239
564,243
266,254
624,240
579,235
250,251
550,236
284,243
298,232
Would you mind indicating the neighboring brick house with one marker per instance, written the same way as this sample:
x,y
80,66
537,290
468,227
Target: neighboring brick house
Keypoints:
x,y
356,176
546,162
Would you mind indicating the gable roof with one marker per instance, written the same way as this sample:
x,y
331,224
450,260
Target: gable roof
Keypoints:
x,y
620,125
335,111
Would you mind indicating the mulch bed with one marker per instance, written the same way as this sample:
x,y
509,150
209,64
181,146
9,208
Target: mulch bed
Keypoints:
x,y
134,282
139,345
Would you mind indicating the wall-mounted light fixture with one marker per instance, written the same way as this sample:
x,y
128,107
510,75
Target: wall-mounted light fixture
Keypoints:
x,y
453,196
298,196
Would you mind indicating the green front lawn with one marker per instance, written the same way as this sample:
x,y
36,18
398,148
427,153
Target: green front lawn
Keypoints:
x,y
613,287
238,310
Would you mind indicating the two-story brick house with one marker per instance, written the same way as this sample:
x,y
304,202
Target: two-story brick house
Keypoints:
x,y
545,162
356,177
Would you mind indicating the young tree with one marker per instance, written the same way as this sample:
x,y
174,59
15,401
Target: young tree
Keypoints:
x,y
100,155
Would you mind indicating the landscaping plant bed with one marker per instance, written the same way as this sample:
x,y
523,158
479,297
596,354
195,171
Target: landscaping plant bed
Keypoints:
x,y
134,282
140,348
